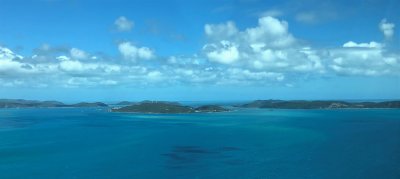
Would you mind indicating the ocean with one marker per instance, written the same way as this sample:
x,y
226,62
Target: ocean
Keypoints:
x,y
245,143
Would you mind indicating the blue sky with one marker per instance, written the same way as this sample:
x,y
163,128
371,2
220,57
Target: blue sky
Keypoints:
x,y
199,50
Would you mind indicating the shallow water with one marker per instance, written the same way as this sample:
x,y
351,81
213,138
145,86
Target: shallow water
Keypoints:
x,y
247,143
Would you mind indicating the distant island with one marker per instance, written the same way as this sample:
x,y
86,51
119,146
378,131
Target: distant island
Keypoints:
x,y
127,103
303,104
162,107
21,103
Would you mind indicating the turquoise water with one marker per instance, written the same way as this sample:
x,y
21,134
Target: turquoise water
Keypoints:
x,y
248,143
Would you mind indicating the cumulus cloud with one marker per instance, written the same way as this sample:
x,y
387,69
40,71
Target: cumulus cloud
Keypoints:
x,y
10,66
69,65
266,47
27,71
270,31
370,59
387,28
261,55
225,52
372,44
131,52
6,53
68,72
270,47
123,24
74,67
17,68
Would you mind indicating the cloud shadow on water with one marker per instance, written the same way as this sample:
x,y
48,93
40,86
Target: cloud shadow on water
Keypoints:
x,y
180,157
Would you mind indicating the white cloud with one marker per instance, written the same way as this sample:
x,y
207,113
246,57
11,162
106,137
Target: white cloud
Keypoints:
x,y
131,52
62,58
82,68
185,61
263,55
78,54
227,53
9,67
271,31
6,53
387,28
363,45
18,71
369,59
68,65
154,75
123,24
268,46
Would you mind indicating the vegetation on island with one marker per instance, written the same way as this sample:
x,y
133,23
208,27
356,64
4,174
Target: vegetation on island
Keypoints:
x,y
163,107
211,108
21,103
303,104
174,107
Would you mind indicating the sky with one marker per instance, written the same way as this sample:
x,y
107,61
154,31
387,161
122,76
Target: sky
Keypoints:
x,y
209,50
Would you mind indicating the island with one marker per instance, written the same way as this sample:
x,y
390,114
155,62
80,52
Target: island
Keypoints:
x,y
318,104
175,107
211,108
21,103
162,107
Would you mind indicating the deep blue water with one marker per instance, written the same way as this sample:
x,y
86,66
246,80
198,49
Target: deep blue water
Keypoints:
x,y
248,143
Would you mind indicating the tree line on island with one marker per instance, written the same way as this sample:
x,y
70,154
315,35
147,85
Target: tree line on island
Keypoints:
x,y
124,106
175,107
318,104
21,103
167,107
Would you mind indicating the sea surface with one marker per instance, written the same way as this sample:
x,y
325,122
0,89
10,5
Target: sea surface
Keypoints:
x,y
245,143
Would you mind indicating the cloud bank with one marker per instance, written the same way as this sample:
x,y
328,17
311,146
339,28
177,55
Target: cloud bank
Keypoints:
x,y
266,54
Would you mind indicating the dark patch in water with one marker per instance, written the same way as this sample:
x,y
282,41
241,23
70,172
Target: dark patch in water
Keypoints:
x,y
191,149
179,158
229,149
187,156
